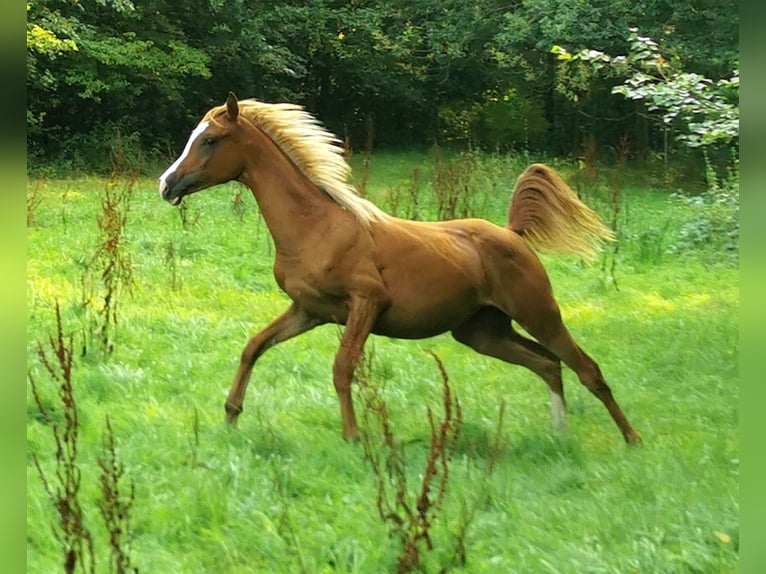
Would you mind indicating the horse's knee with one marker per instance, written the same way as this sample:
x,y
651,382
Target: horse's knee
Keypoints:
x,y
598,388
343,372
595,383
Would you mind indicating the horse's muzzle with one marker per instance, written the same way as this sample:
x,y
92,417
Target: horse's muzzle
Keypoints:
x,y
173,188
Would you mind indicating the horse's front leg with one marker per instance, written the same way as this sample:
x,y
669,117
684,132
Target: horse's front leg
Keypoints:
x,y
362,315
292,322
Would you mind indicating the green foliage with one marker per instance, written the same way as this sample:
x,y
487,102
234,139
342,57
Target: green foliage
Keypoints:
x,y
94,152
126,63
45,28
386,73
511,122
121,67
497,123
706,111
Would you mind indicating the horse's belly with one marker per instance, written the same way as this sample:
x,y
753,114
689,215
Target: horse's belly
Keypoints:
x,y
410,319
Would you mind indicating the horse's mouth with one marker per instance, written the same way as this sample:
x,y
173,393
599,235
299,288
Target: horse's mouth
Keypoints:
x,y
175,201
176,189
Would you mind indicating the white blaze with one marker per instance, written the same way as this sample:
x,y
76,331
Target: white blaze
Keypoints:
x,y
194,135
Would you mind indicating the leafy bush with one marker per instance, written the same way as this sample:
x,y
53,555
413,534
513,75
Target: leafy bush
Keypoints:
x,y
707,112
714,215
100,151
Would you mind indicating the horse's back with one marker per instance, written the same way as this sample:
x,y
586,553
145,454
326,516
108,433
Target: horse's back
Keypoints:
x,y
499,247
470,248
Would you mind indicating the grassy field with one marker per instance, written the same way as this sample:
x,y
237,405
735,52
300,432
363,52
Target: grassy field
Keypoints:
x,y
284,492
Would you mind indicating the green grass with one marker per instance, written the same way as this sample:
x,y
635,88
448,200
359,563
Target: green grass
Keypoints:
x,y
284,492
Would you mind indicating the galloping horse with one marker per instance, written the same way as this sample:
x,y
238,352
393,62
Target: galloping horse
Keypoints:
x,y
342,260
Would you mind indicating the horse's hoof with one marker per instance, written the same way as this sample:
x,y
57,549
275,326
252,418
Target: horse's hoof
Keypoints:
x,y
351,436
634,439
232,413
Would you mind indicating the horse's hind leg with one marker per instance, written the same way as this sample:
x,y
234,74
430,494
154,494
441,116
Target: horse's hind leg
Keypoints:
x,y
291,323
490,333
551,332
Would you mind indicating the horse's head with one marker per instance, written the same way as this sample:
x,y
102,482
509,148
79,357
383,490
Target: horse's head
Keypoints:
x,y
210,156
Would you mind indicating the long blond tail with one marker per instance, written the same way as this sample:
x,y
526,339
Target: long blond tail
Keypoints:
x,y
548,214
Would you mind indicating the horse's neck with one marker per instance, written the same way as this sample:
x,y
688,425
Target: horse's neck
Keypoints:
x,y
294,209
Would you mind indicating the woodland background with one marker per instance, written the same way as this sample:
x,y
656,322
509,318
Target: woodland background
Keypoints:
x,y
380,74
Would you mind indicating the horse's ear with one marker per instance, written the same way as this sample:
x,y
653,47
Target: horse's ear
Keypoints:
x,y
232,106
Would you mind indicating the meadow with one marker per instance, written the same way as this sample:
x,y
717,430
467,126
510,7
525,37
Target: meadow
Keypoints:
x,y
284,493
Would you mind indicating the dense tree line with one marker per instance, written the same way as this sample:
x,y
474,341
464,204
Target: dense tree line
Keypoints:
x,y
377,72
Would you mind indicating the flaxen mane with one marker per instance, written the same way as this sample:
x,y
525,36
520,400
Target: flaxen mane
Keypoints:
x,y
313,149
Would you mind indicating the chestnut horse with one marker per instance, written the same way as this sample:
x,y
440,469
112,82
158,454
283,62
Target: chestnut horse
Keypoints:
x,y
342,260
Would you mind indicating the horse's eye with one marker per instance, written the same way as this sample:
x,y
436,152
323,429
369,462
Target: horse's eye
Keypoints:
x,y
209,141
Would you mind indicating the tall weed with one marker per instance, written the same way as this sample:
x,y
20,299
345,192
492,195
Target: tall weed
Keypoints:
x,y
74,537
409,519
452,184
109,271
64,488
413,518
114,504
34,199
403,200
